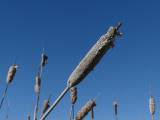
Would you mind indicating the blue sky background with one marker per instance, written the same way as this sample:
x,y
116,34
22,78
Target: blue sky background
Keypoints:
x,y
70,29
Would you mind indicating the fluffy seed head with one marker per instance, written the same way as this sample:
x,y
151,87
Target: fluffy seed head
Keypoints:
x,y
85,110
73,95
11,73
152,105
44,60
37,86
46,105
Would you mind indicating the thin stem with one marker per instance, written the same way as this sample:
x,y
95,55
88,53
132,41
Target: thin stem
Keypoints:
x,y
7,111
116,117
43,45
97,96
36,109
55,103
39,71
114,97
4,96
51,93
151,90
15,61
71,112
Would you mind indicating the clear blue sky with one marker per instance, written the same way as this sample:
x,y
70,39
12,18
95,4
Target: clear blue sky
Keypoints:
x,y
71,28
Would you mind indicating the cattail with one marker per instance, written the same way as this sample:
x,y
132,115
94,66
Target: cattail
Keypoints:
x,y
11,73
10,76
37,90
28,117
115,108
94,56
151,104
44,58
37,86
38,83
46,104
73,99
73,95
89,62
85,110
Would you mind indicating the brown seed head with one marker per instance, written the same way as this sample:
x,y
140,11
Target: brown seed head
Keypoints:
x,y
73,95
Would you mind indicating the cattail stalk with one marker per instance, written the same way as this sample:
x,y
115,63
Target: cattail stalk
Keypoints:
x,y
89,62
10,76
4,96
46,103
73,99
37,89
92,113
7,111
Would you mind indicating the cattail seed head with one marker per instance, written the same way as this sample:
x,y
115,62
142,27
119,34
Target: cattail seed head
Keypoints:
x,y
115,108
28,117
85,110
11,73
37,86
152,105
73,95
46,105
38,80
44,60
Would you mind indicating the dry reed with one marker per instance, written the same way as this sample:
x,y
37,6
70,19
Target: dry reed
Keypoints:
x,y
7,111
94,56
10,76
46,104
44,58
73,91
115,108
92,113
85,110
89,62
37,85
151,104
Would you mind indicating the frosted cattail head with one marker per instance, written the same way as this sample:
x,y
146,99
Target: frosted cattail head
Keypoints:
x,y
152,105
85,110
37,86
46,105
73,94
115,108
11,73
44,60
